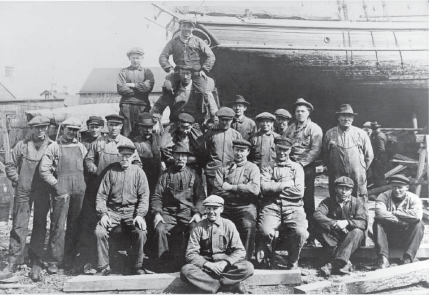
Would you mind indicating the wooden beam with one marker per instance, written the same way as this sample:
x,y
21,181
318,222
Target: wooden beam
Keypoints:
x,y
16,286
426,214
413,292
394,171
314,288
162,281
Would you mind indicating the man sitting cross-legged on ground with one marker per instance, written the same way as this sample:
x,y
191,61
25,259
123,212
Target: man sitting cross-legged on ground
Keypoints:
x,y
340,224
215,254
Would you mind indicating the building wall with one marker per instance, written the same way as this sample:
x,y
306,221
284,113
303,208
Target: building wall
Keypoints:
x,y
96,98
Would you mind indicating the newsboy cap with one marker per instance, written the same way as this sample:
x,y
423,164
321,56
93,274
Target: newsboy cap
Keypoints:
x,y
302,101
225,112
239,100
265,115
95,120
136,50
283,143
188,20
213,200
126,149
283,113
39,121
72,122
242,143
399,179
146,119
115,118
344,181
346,109
186,117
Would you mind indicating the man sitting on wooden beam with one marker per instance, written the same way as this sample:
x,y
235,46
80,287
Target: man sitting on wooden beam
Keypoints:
x,y
398,221
340,225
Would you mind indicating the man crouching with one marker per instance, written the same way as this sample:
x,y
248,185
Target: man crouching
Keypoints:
x,y
215,253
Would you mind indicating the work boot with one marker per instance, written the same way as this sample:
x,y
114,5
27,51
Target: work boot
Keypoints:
x,y
143,270
406,259
88,269
326,270
52,268
310,243
36,271
237,288
383,262
343,268
104,271
293,265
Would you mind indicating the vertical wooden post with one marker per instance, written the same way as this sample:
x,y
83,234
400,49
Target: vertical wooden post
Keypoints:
x,y
421,163
5,135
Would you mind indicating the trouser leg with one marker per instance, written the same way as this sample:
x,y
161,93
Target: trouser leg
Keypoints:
x,y
102,241
328,241
295,225
210,184
160,239
197,277
138,237
38,234
199,83
268,222
378,170
60,208
412,238
87,240
18,234
131,116
236,273
309,197
349,244
72,233
380,238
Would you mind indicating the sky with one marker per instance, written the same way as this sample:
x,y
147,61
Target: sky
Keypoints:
x,y
61,41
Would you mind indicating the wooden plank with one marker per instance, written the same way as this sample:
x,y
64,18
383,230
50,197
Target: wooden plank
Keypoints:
x,y
394,171
402,157
421,165
162,281
314,288
426,214
413,292
16,286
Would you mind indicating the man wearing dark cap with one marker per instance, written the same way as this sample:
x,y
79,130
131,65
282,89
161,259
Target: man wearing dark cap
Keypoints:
x,y
134,84
176,206
282,119
306,137
187,50
22,171
148,147
239,184
340,225
263,141
379,164
282,187
398,221
95,125
215,255
347,151
218,145
64,157
244,125
122,199
187,134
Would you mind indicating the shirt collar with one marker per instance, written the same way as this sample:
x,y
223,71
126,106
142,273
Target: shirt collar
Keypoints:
x,y
109,139
303,125
284,164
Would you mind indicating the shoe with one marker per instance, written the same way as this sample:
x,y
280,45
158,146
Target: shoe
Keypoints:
x,y
52,268
140,271
345,269
326,270
260,256
238,288
383,262
406,259
35,272
88,269
293,266
310,243
105,270
11,267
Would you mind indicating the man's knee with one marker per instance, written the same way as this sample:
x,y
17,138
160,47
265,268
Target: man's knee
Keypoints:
x,y
188,269
246,267
267,230
100,232
356,233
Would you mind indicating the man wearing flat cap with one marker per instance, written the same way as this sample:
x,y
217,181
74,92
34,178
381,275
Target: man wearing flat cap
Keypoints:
x,y
187,134
218,145
263,141
306,137
187,50
398,221
176,206
282,119
215,255
148,148
340,225
122,199
22,170
62,168
244,125
347,151
379,164
239,184
95,125
134,84
282,187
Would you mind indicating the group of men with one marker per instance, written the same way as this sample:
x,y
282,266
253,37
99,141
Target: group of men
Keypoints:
x,y
213,190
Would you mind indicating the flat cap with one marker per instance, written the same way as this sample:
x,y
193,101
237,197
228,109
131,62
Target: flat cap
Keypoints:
x,y
72,122
399,179
283,143
39,121
242,143
367,124
188,20
302,101
344,181
283,113
239,100
186,117
136,50
181,148
146,119
126,149
115,118
95,120
345,109
225,112
213,200
265,115
186,67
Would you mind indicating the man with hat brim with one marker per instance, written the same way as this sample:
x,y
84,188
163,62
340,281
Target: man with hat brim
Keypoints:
x,y
347,151
211,267
176,207
122,199
282,119
263,141
244,125
22,171
379,164
134,84
398,221
64,157
148,148
218,145
239,184
102,153
306,137
95,125
282,187
340,224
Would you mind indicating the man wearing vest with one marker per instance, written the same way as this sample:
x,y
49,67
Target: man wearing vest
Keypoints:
x,y
244,125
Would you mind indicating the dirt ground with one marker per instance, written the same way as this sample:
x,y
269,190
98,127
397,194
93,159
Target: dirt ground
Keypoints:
x,y
53,284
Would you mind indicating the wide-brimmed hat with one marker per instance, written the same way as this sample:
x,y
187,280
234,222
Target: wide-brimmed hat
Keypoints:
x,y
346,109
239,100
181,148
302,101
146,119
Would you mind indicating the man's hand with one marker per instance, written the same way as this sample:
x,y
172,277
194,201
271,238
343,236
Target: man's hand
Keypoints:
x,y
163,166
105,221
203,74
157,219
216,267
141,224
147,83
171,71
196,218
226,186
342,224
130,84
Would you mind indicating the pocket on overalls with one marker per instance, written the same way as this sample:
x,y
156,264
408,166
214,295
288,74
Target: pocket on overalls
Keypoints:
x,y
80,164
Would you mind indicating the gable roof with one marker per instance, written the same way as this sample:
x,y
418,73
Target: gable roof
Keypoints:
x,y
5,93
103,80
